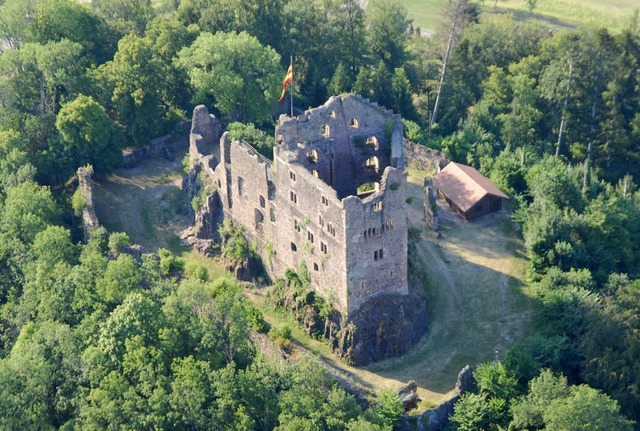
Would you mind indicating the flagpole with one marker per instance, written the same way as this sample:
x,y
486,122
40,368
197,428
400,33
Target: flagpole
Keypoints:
x,y
291,86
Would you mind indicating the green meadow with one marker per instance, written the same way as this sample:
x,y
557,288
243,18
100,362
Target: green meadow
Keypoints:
x,y
613,14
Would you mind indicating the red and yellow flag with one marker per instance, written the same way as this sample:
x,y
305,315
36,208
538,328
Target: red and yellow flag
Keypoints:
x,y
287,80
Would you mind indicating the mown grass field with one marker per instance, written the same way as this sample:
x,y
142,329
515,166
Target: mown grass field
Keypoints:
x,y
613,14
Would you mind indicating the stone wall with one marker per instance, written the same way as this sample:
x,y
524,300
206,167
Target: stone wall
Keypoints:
x,y
427,159
436,419
89,217
164,146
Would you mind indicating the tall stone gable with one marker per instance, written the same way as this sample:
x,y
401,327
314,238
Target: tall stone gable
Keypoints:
x,y
333,197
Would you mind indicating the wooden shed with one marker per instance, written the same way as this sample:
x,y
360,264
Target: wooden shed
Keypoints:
x,y
467,191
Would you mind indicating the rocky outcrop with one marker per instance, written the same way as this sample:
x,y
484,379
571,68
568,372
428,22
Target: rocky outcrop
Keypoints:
x,y
408,394
436,419
423,158
207,127
387,326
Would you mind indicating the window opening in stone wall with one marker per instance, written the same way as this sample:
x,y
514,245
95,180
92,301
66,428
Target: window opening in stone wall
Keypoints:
x,y
293,197
292,175
324,248
372,142
388,225
377,206
366,188
372,163
271,190
326,130
258,218
325,200
320,220
272,215
315,266
354,122
219,184
296,225
262,202
378,254
240,186
312,156
331,229
378,232
310,236
390,273
293,247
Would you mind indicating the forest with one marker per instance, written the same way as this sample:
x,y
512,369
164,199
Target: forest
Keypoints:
x,y
94,337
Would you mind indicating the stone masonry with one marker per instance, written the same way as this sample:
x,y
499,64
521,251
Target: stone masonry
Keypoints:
x,y
310,203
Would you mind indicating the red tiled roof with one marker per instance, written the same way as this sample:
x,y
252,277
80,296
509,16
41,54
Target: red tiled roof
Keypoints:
x,y
465,186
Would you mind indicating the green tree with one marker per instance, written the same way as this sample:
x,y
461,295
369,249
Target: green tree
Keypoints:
x,y
259,139
389,408
528,411
585,408
471,412
36,78
15,16
89,135
121,277
55,20
131,85
387,32
125,16
240,74
40,378
28,209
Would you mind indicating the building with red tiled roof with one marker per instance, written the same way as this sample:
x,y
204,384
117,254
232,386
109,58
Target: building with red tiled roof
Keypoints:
x,y
467,191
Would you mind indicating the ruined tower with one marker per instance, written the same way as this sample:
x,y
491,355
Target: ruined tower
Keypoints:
x,y
333,197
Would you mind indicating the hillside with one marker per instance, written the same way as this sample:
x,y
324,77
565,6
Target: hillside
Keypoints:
x,y
462,275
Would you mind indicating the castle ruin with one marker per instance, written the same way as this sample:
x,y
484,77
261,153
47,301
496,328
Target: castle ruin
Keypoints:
x,y
333,197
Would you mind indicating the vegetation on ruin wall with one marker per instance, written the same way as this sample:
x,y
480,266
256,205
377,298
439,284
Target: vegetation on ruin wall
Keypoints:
x,y
91,337
292,294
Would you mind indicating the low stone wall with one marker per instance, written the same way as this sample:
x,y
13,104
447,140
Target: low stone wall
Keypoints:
x,y
89,217
427,159
162,146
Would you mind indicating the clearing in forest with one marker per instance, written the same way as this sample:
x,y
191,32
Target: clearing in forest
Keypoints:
x,y
556,14
463,272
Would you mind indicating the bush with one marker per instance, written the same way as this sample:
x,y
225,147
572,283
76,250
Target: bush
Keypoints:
x,y
117,241
78,202
170,264
256,320
198,272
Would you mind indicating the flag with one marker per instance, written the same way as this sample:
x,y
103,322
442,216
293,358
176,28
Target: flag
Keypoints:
x,y
287,79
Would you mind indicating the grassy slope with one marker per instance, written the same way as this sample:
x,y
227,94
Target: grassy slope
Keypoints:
x,y
613,14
